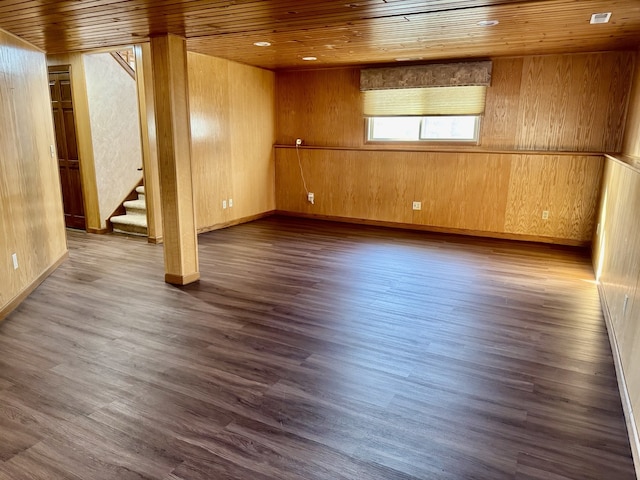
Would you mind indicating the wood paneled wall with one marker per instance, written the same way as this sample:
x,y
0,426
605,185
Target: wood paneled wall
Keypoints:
x,y
31,216
616,260
631,143
558,102
537,104
233,131
499,195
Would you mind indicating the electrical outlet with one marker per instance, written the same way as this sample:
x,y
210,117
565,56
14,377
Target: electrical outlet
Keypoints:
x,y
230,202
224,204
298,142
311,198
417,205
53,152
545,214
14,258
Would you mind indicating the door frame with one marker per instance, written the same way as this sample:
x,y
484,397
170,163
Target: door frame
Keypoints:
x,y
75,63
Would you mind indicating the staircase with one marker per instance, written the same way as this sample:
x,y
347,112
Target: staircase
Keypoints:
x,y
134,222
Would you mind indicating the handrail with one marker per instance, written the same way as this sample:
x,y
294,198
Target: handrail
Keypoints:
x,y
124,64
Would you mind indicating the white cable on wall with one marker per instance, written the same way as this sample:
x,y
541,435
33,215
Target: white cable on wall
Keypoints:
x,y
301,172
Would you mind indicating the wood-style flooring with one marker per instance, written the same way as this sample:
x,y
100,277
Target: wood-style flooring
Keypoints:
x,y
313,350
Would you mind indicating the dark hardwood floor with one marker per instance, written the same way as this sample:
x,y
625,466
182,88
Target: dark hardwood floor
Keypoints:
x,y
313,350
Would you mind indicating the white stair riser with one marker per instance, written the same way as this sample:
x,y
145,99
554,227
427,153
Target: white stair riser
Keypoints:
x,y
136,211
135,220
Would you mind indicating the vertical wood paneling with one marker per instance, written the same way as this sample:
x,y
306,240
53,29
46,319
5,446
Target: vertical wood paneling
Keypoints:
x,y
233,131
462,191
346,184
631,144
210,137
479,192
616,260
574,102
252,123
31,212
616,257
565,186
555,102
323,107
500,121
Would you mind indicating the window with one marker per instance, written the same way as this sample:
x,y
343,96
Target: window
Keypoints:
x,y
446,128
442,114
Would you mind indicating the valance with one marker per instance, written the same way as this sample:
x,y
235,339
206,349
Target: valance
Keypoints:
x,y
423,76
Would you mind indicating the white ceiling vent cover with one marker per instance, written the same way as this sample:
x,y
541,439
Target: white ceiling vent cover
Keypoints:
x,y
600,18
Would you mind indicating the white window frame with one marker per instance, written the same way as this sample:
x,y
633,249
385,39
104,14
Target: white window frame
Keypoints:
x,y
420,140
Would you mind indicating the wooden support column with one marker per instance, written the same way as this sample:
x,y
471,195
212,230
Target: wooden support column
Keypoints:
x,y
169,61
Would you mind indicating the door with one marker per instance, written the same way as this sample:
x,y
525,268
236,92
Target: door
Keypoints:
x,y
68,161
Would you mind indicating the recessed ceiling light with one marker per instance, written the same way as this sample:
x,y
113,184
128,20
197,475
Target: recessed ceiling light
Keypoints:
x,y
262,44
600,18
488,23
309,59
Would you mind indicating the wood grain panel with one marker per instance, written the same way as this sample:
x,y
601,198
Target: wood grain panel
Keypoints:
x,y
323,107
252,121
476,192
233,131
631,143
616,260
462,191
500,121
31,212
210,137
574,102
533,103
566,187
336,32
346,184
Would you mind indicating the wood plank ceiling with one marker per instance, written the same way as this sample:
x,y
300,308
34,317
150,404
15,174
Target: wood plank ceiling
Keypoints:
x,y
337,32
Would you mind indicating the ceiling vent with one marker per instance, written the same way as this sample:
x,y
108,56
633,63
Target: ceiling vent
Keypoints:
x,y
600,18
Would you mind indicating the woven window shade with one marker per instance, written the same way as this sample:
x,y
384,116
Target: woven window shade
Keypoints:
x,y
425,101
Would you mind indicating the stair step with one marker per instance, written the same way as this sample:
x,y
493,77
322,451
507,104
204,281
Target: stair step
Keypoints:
x,y
136,206
130,224
140,192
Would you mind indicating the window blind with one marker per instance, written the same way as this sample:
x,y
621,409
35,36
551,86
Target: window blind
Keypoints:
x,y
468,100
